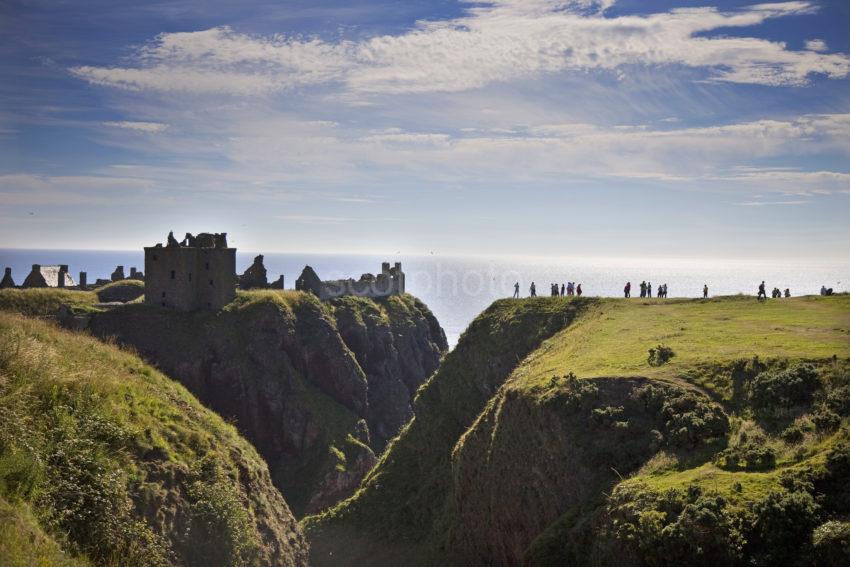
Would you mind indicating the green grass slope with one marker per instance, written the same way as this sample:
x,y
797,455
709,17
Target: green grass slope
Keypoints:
x,y
400,512
104,460
732,448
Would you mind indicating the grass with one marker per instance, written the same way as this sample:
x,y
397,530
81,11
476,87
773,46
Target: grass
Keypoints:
x,y
92,438
45,302
613,338
403,510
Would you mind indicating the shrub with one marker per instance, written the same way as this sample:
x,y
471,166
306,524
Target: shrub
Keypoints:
x,y
659,355
781,527
794,433
750,456
690,418
676,528
838,400
831,542
774,389
825,419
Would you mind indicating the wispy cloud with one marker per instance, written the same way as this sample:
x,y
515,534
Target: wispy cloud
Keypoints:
x,y
148,127
501,41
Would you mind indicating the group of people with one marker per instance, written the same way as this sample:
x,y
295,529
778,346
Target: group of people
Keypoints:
x,y
646,290
573,289
775,294
570,289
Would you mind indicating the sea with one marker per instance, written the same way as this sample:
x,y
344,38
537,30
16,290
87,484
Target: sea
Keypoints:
x,y
458,288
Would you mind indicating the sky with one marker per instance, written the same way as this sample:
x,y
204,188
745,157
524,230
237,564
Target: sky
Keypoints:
x,y
612,128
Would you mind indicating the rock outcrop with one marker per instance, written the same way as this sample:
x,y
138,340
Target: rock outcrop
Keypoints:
x,y
286,368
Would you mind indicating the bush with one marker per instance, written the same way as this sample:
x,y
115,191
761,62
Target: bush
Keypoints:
x,y
787,388
825,419
794,433
676,528
660,355
750,456
781,526
831,542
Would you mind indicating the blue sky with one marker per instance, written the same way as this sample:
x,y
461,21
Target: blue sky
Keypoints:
x,y
512,127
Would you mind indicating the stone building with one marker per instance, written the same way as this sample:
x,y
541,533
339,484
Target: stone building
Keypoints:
x,y
255,277
389,282
49,276
197,273
7,280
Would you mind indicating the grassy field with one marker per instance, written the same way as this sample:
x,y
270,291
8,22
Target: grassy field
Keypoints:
x,y
613,337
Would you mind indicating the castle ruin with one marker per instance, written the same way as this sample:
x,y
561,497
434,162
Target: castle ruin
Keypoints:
x,y
389,282
197,273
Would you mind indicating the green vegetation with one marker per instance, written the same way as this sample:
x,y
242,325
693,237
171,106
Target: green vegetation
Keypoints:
x,y
122,291
104,459
753,484
45,302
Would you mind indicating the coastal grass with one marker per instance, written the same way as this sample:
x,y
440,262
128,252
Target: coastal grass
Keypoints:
x,y
45,302
87,428
613,338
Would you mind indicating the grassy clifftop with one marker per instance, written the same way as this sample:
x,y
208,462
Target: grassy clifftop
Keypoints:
x,y
104,460
551,435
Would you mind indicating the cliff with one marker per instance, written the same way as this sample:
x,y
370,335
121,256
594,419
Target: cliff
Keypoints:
x,y
609,432
103,460
318,388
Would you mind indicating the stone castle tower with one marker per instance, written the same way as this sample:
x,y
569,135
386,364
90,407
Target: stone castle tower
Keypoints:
x,y
197,273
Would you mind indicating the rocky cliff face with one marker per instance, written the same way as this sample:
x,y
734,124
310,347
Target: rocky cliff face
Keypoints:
x,y
317,388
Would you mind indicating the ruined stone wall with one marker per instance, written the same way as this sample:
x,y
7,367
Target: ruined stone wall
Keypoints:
x,y
189,278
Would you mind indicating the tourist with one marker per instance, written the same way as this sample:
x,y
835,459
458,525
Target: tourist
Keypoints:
x,y
627,291
823,290
578,290
649,289
705,291
643,288
787,292
562,290
516,290
533,290
762,292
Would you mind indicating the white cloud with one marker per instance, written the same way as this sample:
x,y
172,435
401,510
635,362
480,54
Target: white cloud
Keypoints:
x,y
816,45
502,41
149,127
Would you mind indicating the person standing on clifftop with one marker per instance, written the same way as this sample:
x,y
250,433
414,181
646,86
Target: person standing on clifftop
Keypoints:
x,y
649,289
533,290
762,292
627,291
705,291
562,290
643,288
578,290
516,290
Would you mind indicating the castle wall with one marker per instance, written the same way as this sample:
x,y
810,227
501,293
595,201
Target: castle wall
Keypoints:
x,y
190,278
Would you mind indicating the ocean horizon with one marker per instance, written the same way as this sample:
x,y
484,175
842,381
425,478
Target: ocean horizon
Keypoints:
x,y
458,288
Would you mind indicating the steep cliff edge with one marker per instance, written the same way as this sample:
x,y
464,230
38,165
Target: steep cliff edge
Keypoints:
x,y
610,432
317,387
103,460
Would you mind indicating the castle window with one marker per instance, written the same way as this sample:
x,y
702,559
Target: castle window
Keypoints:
x,y
173,275
155,257
163,294
207,265
163,304
211,282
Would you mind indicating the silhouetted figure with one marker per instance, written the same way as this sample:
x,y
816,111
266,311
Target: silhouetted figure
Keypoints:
x,y
532,290
578,290
516,290
787,292
643,289
649,289
627,291
762,293
705,291
563,288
